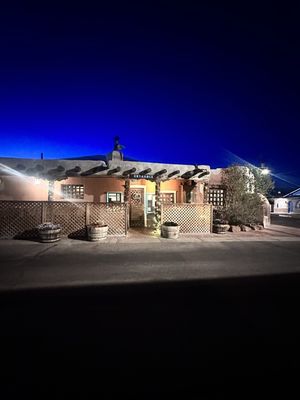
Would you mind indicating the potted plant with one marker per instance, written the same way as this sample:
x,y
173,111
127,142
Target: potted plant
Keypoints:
x,y
170,230
97,231
220,226
49,232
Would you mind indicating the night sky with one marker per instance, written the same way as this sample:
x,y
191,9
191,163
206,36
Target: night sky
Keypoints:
x,y
177,82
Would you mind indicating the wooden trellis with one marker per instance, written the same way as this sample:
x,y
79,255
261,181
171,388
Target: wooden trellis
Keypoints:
x,y
192,218
19,219
112,214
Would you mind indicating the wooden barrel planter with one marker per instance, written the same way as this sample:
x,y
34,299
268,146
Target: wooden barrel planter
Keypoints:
x,y
49,233
170,230
96,232
220,228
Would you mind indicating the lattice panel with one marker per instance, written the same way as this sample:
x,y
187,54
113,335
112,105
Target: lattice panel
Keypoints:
x,y
71,217
192,218
19,219
111,214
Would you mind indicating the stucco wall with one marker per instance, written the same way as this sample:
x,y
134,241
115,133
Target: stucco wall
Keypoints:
x,y
95,189
21,188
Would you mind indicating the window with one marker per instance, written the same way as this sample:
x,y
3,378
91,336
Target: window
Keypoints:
x,y
216,196
72,191
114,197
166,198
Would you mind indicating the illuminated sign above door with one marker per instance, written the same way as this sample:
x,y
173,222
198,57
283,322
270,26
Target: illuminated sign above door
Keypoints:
x,y
138,176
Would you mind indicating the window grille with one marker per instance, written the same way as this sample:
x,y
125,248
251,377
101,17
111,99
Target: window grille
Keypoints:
x,y
166,198
216,196
72,191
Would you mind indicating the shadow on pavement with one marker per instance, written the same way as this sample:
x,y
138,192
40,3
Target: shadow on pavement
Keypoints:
x,y
228,330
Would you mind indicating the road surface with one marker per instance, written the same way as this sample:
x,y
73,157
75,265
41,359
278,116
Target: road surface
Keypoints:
x,y
229,310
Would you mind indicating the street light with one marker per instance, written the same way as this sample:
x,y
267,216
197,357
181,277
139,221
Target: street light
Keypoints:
x,y
265,171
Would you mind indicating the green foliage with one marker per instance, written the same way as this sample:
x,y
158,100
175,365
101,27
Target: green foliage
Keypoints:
x,y
263,183
243,190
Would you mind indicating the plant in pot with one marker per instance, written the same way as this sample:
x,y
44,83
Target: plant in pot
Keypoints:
x,y
49,232
170,230
220,224
97,231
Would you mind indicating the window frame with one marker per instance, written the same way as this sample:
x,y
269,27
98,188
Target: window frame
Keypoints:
x,y
115,193
66,195
216,196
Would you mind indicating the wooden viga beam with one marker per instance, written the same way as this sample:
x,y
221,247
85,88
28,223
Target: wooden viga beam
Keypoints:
x,y
190,174
74,171
94,170
129,172
56,173
114,171
145,171
202,174
36,171
159,173
171,174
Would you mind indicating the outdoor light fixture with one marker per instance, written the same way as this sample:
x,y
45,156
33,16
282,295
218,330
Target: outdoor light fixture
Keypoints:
x,y
265,171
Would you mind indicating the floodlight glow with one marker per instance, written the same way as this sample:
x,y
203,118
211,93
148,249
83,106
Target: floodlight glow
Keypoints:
x,y
265,171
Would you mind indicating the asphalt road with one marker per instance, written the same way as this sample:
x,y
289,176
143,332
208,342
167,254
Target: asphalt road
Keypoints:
x,y
286,220
231,328
78,263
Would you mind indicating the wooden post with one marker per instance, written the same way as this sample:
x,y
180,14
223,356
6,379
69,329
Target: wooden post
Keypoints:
x,y
126,190
51,190
87,213
126,201
157,212
44,215
126,218
205,193
198,193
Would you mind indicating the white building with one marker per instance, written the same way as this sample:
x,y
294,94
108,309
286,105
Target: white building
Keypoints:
x,y
290,203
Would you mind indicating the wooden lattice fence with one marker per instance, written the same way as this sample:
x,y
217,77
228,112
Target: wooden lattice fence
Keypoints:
x,y
192,218
19,219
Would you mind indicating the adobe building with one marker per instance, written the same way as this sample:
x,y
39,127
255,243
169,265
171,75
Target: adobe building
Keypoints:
x,y
146,188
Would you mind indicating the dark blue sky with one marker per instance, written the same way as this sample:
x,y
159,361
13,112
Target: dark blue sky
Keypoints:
x,y
177,82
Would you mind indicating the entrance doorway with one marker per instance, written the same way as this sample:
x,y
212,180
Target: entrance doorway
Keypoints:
x,y
137,206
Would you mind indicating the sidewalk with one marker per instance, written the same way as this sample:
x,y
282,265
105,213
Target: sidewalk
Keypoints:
x,y
272,233
136,236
